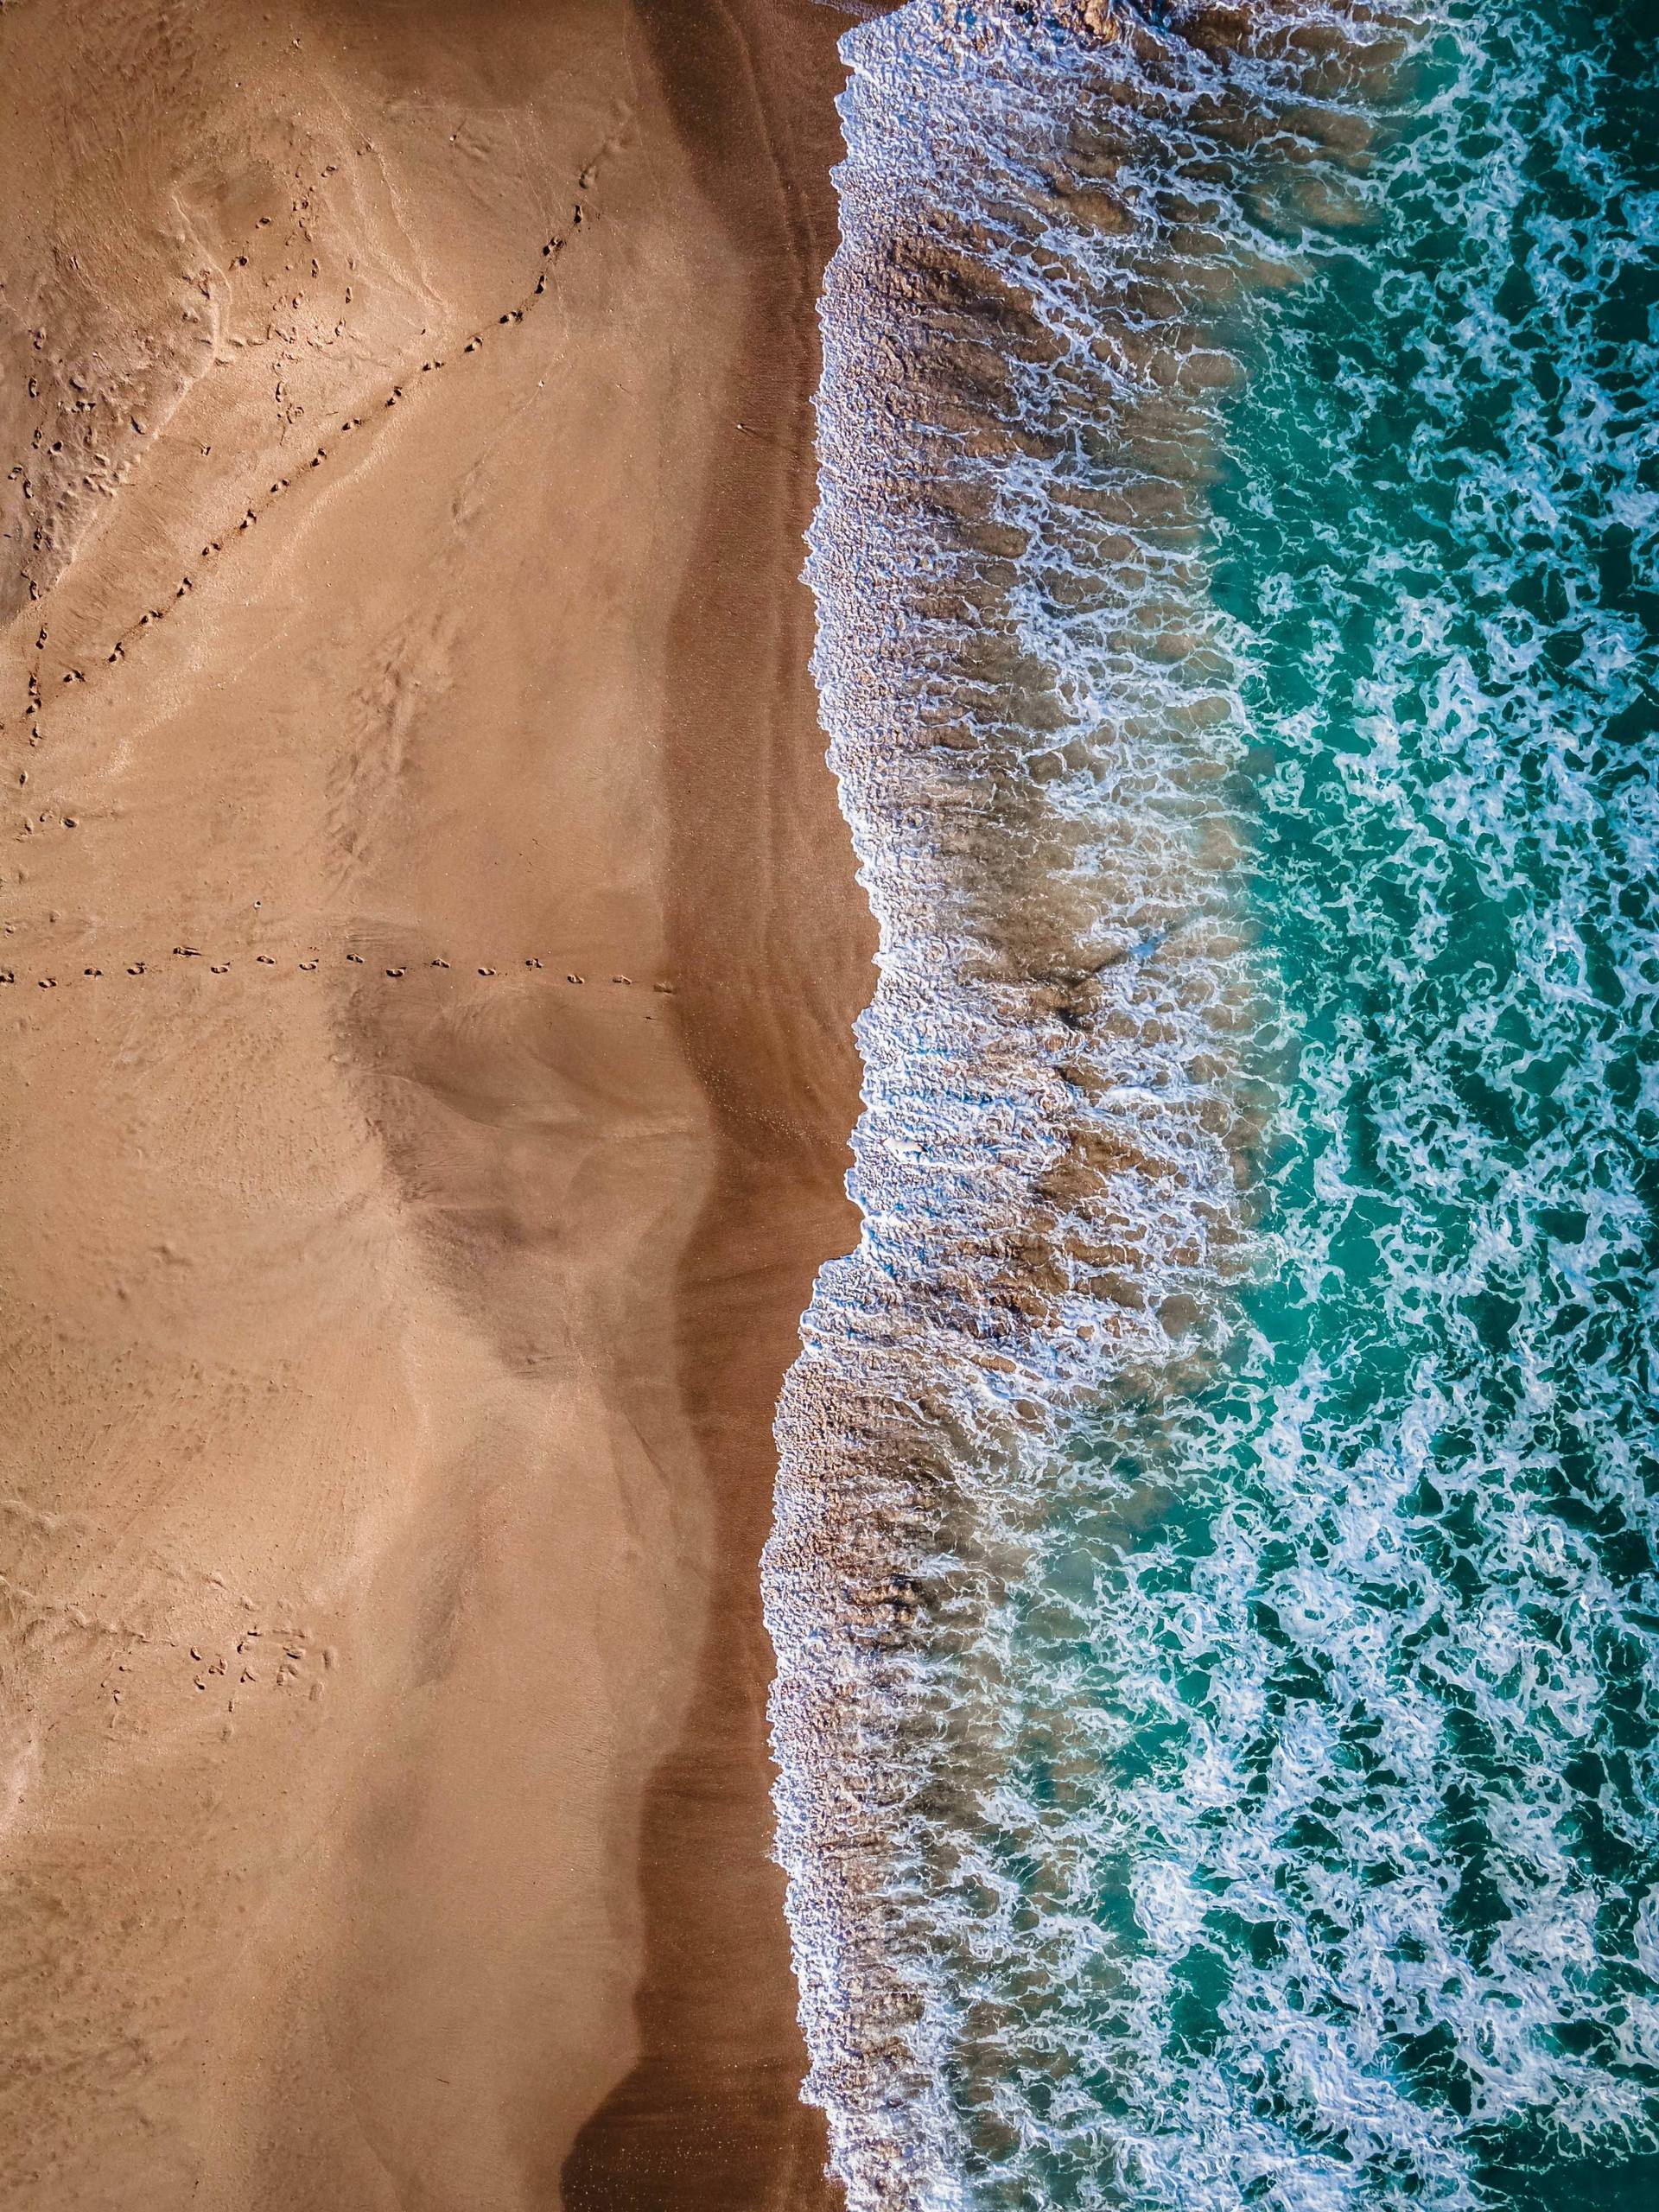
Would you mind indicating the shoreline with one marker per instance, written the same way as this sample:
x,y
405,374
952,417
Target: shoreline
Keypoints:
x,y
761,119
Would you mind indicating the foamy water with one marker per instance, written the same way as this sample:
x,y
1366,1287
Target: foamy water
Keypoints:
x,y
1213,1583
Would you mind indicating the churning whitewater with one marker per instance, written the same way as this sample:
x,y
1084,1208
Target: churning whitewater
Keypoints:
x,y
1213,1580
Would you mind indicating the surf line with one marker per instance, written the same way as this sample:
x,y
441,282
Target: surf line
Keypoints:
x,y
1049,213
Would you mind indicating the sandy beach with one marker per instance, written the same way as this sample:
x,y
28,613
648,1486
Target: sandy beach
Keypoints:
x,y
430,945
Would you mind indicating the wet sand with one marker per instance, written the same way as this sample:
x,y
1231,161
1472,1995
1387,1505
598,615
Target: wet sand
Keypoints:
x,y
432,944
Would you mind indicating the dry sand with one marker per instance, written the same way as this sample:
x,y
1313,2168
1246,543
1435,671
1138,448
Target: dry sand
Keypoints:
x,y
426,1079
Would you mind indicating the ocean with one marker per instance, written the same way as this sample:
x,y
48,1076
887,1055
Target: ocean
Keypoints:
x,y
1214,1579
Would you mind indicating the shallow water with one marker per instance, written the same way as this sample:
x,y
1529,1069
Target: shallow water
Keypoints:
x,y
1218,1689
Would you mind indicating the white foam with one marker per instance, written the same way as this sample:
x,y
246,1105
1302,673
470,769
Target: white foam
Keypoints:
x,y
1226,1776
1032,717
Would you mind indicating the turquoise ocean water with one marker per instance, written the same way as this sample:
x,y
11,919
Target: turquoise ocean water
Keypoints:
x,y
1303,1848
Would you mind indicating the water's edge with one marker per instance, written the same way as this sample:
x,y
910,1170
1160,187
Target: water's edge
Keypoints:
x,y
1032,722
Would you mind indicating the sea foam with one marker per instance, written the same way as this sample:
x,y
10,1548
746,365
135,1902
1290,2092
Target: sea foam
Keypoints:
x,y
1184,1652
1033,723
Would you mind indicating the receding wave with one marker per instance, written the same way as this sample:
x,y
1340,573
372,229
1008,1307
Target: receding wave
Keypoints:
x,y
1212,1581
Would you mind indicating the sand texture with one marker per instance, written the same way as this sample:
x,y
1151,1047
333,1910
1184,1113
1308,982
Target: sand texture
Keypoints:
x,y
431,943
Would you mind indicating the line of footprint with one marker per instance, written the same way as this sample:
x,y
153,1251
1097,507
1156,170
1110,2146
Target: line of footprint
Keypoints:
x,y
550,251
394,974
86,403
